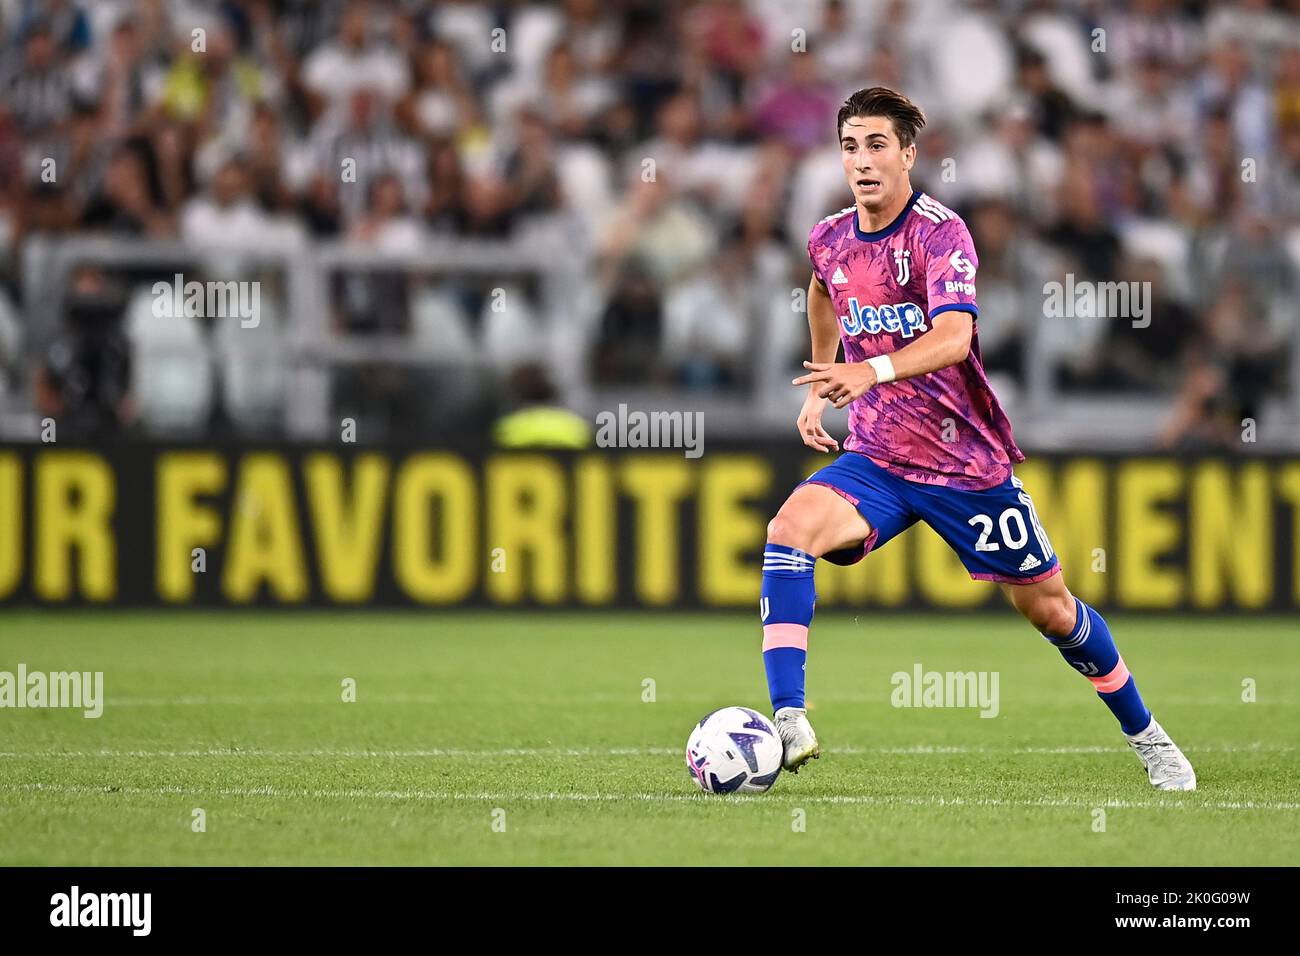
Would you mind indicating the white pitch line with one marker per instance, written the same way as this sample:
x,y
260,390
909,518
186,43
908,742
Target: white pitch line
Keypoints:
x,y
229,700
569,797
358,754
918,750
329,701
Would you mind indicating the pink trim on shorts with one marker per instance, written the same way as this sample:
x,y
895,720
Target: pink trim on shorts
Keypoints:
x,y
1109,683
785,635
1003,579
839,491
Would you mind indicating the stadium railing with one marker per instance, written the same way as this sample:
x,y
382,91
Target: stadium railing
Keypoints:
x,y
565,325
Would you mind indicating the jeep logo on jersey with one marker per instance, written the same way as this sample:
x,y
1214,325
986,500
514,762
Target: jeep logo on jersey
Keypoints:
x,y
905,318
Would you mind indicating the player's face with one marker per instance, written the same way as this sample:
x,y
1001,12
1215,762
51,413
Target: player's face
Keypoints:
x,y
875,164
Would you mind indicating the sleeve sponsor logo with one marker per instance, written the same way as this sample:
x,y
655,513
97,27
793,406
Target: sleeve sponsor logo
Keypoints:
x,y
965,268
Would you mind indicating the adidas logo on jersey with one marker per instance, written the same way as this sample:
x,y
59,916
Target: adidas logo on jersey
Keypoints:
x,y
1029,563
839,277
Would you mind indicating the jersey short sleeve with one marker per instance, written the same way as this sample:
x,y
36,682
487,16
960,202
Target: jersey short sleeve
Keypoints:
x,y
950,270
812,256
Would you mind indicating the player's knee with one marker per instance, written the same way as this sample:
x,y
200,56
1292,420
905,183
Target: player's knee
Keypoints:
x,y
791,530
1052,615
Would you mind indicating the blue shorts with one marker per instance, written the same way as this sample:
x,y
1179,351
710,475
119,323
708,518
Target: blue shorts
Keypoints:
x,y
995,532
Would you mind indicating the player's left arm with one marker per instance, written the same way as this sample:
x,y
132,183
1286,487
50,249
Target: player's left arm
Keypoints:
x,y
950,265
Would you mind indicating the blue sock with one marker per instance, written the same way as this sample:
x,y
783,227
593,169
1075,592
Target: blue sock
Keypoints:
x,y
787,610
1091,650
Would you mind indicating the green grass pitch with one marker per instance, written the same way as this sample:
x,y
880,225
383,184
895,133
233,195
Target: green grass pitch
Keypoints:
x,y
536,721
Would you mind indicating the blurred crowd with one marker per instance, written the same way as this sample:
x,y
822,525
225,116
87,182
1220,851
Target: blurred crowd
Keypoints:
x,y
682,150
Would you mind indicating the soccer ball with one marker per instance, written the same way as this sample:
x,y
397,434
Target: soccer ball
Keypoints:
x,y
734,750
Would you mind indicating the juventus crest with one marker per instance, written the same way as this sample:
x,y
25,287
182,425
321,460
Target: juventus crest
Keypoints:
x,y
902,262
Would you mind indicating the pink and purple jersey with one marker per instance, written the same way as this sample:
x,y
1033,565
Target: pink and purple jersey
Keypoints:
x,y
943,428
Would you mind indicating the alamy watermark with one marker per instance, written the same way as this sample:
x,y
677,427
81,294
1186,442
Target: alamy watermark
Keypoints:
x,y
638,429
1104,300
922,688
212,300
76,908
81,690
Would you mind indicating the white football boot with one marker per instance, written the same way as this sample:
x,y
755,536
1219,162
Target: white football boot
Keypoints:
x,y
798,742
1167,768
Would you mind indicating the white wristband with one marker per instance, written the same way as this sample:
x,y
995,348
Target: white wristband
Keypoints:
x,y
883,366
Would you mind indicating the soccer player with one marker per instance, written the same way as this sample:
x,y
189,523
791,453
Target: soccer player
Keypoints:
x,y
894,280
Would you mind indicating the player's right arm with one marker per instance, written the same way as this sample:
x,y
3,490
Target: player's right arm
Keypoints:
x,y
824,329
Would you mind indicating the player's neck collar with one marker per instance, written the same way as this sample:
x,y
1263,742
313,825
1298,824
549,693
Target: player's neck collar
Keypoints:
x,y
889,230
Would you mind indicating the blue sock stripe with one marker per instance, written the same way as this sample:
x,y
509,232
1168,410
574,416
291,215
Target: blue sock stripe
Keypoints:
x,y
1082,620
787,566
777,556
1082,628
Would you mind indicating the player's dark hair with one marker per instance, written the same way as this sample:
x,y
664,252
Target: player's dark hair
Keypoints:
x,y
882,101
